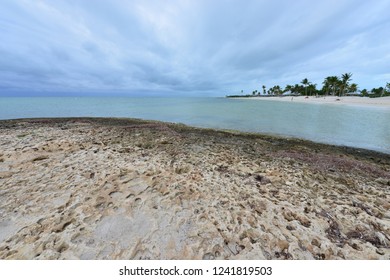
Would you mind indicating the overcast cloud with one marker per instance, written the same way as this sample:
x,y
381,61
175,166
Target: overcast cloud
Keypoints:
x,y
190,47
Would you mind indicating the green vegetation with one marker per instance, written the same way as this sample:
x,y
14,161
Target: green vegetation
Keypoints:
x,y
332,85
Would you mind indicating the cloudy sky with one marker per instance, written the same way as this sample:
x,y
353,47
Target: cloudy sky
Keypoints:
x,y
189,47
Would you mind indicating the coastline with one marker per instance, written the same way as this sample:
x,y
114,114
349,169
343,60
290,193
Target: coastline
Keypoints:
x,y
105,188
380,102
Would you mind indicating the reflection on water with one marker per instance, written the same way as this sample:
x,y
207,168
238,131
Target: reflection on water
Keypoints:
x,y
365,127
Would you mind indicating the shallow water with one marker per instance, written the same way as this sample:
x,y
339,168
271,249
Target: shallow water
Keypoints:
x,y
355,126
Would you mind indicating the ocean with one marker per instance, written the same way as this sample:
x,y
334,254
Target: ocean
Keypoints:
x,y
346,125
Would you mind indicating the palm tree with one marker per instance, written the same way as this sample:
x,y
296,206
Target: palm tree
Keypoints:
x,y
326,87
353,88
388,87
305,82
312,88
288,88
332,82
339,86
277,90
264,89
345,78
297,89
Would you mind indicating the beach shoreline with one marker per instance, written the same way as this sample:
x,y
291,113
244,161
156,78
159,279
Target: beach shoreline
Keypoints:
x,y
380,102
110,188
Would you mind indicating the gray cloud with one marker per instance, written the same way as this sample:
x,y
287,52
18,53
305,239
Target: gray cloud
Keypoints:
x,y
212,47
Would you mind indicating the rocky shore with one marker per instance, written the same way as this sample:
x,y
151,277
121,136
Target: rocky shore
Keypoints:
x,y
131,189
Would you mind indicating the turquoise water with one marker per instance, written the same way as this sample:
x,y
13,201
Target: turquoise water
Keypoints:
x,y
363,127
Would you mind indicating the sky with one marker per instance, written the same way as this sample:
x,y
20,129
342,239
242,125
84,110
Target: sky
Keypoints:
x,y
206,48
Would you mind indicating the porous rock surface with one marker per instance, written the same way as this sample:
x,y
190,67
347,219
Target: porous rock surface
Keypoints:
x,y
131,189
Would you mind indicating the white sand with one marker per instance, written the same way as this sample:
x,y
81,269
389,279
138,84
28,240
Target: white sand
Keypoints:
x,y
345,100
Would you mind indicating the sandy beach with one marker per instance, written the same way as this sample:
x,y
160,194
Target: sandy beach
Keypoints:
x,y
131,189
345,100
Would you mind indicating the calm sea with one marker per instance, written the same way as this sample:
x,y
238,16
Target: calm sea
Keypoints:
x,y
364,127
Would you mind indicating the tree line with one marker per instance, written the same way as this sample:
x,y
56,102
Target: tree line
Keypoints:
x,y
332,85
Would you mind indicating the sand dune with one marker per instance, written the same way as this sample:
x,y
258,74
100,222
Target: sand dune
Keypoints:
x,y
127,189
